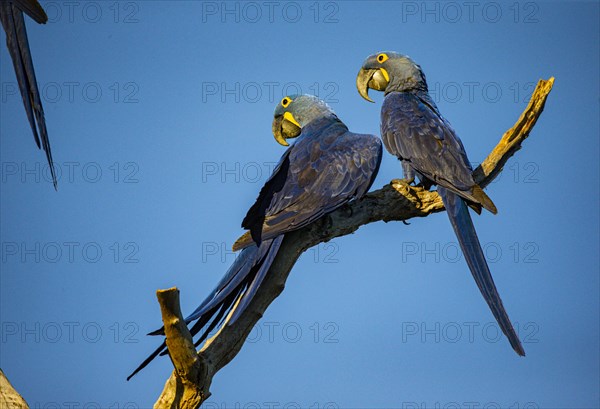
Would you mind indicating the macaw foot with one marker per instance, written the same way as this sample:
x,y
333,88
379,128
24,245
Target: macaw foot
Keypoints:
x,y
402,186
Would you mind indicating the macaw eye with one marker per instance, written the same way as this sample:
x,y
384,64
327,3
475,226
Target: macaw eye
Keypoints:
x,y
285,102
382,57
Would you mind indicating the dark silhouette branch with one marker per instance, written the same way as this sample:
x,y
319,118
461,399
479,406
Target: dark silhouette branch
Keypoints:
x,y
396,201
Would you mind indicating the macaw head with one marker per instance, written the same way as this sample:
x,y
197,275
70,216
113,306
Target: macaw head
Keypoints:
x,y
294,112
389,71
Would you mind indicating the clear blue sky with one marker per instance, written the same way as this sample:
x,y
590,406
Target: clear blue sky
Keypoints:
x,y
159,116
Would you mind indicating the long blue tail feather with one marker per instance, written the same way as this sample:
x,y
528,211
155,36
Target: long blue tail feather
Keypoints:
x,y
241,282
461,221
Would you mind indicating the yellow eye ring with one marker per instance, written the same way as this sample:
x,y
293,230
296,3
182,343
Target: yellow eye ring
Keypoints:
x,y
286,101
381,58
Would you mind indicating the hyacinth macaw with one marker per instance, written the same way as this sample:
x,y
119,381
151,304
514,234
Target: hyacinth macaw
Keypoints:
x,y
414,130
325,168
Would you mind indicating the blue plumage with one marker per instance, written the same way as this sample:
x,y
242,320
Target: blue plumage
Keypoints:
x,y
13,22
413,130
325,168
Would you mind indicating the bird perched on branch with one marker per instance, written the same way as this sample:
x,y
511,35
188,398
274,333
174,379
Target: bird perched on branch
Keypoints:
x,y
414,130
325,168
11,15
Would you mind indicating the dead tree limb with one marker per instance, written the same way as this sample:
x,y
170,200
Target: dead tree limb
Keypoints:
x,y
189,387
394,202
9,397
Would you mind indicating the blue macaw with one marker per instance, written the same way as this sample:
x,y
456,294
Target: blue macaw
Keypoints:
x,y
414,130
325,168
11,15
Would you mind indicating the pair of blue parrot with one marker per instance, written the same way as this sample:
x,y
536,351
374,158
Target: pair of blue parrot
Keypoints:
x,y
328,166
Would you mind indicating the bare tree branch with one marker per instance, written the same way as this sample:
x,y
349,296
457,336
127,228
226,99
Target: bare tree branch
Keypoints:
x,y
189,388
9,397
396,201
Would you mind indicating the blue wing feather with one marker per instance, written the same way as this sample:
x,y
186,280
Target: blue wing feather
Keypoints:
x,y
413,130
11,16
328,166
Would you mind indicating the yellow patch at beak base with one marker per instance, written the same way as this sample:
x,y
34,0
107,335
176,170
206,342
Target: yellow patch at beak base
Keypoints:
x,y
385,74
289,117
